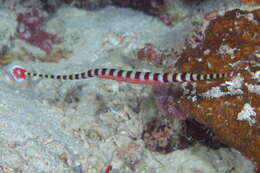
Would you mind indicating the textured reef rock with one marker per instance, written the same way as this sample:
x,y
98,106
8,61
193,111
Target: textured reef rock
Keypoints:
x,y
231,107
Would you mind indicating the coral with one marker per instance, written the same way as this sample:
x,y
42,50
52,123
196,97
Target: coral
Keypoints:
x,y
50,6
162,135
230,107
5,59
11,56
87,4
166,135
29,28
56,56
108,169
7,31
150,54
196,132
167,19
154,7
211,15
251,2
166,101
24,55
131,153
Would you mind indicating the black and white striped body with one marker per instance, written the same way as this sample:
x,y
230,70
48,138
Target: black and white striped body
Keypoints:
x,y
135,76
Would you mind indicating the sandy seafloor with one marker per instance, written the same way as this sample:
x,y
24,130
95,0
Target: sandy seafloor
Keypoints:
x,y
51,126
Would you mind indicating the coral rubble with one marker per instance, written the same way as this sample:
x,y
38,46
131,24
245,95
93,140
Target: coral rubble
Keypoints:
x,y
230,108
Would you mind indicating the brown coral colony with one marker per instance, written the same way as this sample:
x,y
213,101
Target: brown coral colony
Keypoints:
x,y
230,108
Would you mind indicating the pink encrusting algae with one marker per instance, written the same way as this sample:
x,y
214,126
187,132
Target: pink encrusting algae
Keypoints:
x,y
30,30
